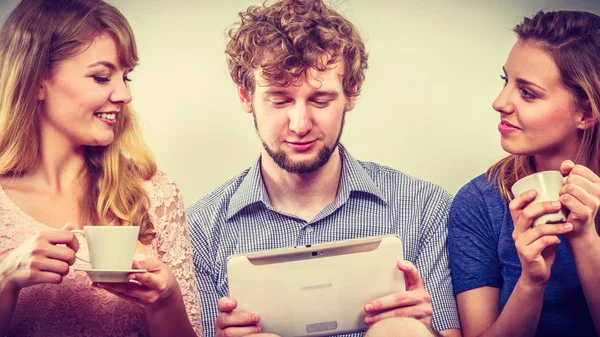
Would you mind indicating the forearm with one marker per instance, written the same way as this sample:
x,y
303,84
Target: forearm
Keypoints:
x,y
521,313
586,252
169,318
9,297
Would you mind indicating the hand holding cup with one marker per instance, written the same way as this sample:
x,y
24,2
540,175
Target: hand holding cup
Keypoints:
x,y
581,196
151,288
547,185
40,259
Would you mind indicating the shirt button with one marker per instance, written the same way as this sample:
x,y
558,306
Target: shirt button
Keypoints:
x,y
309,228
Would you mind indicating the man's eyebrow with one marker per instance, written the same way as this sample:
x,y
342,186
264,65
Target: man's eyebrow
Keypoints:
x,y
319,93
275,92
331,93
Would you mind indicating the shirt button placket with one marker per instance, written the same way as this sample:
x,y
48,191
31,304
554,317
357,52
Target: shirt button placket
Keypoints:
x,y
306,235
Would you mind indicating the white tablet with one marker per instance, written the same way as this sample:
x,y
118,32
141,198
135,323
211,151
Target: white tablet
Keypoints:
x,y
317,290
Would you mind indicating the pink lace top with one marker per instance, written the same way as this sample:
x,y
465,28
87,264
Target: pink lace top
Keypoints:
x,y
74,308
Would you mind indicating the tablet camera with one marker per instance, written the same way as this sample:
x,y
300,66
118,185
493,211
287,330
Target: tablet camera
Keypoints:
x,y
314,253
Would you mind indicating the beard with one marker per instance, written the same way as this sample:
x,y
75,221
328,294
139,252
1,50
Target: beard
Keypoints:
x,y
306,166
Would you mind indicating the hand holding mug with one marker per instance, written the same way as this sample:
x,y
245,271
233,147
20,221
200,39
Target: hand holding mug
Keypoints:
x,y
547,185
536,246
581,196
40,259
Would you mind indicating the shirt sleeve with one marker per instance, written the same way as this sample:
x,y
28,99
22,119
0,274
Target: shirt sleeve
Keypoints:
x,y
173,242
472,244
206,277
432,262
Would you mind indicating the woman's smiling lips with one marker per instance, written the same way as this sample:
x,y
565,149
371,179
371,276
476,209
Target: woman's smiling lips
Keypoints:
x,y
506,128
109,117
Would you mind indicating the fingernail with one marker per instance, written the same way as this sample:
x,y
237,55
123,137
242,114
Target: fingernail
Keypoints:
x,y
530,193
368,320
369,307
258,329
230,303
568,225
254,318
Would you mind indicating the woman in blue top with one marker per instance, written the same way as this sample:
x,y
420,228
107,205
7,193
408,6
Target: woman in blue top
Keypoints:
x,y
512,279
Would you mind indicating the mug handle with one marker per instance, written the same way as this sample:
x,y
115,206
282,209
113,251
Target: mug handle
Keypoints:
x,y
79,231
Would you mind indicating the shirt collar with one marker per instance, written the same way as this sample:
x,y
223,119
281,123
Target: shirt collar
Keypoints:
x,y
354,178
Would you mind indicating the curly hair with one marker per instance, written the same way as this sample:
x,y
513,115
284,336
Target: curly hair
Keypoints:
x,y
289,37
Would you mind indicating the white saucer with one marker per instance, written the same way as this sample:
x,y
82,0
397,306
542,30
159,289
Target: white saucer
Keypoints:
x,y
112,276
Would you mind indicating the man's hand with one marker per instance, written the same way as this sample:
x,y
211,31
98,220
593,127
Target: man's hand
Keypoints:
x,y
230,323
415,302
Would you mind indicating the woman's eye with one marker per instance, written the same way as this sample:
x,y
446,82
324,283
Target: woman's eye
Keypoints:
x,y
101,79
527,94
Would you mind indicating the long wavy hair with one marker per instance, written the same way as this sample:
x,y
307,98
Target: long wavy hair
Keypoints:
x,y
291,36
572,39
37,36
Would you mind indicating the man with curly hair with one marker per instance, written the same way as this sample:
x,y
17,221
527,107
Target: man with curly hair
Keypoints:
x,y
299,66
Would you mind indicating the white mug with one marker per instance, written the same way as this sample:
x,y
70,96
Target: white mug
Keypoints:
x,y
110,247
547,185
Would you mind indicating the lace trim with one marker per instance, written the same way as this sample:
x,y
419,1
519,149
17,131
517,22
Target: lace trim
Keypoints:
x,y
73,308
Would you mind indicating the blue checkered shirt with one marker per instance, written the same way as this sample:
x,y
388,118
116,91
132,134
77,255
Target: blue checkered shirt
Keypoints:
x,y
371,200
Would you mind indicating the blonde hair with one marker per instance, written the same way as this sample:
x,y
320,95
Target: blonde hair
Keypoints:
x,y
572,39
37,36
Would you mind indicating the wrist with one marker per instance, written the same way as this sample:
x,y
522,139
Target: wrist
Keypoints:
x,y
529,287
8,289
174,299
584,241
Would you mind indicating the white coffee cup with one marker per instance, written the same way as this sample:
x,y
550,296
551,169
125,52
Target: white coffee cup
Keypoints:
x,y
547,185
110,247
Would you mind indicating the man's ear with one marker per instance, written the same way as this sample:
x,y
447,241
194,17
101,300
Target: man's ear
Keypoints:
x,y
586,118
351,100
245,99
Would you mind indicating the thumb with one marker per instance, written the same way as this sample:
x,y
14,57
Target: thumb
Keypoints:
x,y
566,167
74,244
411,275
151,264
136,265
68,226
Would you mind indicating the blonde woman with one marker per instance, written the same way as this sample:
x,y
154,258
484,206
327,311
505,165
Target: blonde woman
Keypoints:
x,y
70,153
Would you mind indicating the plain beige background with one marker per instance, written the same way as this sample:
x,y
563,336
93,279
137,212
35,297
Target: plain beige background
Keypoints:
x,y
425,109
